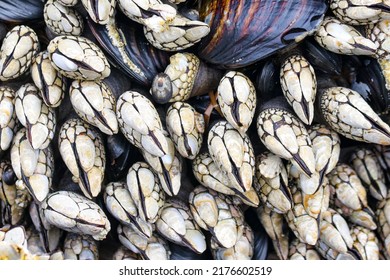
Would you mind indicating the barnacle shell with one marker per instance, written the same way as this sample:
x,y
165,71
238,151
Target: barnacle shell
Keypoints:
x,y
75,213
17,50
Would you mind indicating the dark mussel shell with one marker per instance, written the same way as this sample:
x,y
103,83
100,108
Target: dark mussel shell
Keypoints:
x,y
67,184
9,176
245,31
201,103
261,242
260,250
18,11
320,58
182,253
3,31
120,156
267,81
365,76
147,61
118,82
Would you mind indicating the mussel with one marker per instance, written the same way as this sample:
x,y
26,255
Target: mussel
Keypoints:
x,y
21,10
128,47
246,31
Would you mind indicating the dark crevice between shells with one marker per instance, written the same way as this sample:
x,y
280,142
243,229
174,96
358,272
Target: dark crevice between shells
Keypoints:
x,y
82,175
141,194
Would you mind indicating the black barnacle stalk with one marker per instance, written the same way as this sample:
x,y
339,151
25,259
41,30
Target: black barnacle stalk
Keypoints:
x,y
118,82
65,181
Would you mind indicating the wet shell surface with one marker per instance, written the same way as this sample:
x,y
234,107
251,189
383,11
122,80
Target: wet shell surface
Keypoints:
x,y
78,58
75,213
17,51
240,30
82,149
